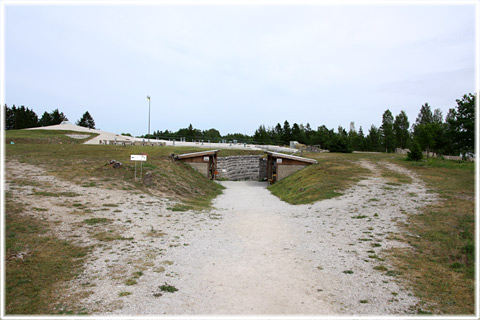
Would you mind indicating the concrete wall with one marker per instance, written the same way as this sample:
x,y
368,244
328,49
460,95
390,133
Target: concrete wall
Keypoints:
x,y
200,167
241,168
286,170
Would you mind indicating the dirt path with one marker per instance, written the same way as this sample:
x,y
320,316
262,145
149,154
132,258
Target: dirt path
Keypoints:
x,y
252,263
253,254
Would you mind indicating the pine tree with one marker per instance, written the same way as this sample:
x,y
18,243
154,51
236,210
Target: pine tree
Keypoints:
x,y
46,119
20,118
388,137
400,128
287,133
86,121
10,117
57,117
425,116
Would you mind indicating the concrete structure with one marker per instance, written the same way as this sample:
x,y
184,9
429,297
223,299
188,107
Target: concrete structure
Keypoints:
x,y
204,162
281,165
250,167
242,168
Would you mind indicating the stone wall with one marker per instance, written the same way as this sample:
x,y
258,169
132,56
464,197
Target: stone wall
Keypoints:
x,y
242,168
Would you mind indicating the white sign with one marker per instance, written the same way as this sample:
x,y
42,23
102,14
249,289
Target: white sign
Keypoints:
x,y
279,161
139,157
206,158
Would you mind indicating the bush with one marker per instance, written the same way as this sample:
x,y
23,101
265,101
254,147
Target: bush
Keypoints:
x,y
415,153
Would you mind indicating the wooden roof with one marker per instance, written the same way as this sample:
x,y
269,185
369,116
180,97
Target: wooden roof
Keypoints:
x,y
196,154
287,156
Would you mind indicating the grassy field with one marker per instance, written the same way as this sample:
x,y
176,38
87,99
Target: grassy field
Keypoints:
x,y
439,266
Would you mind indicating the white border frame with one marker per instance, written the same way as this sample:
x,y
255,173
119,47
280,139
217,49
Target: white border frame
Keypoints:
x,y
5,3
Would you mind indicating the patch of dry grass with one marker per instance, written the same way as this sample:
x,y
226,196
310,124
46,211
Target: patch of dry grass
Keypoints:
x,y
37,263
441,265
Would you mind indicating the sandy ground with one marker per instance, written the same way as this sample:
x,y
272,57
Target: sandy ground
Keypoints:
x,y
252,254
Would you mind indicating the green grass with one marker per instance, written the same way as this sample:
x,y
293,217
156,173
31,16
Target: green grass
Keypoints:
x,y
110,205
380,268
325,180
20,137
107,236
94,221
31,282
55,194
359,217
168,288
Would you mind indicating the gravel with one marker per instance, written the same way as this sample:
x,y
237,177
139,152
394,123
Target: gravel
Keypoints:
x,y
251,255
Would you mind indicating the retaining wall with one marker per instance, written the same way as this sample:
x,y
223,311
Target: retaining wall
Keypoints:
x,y
242,168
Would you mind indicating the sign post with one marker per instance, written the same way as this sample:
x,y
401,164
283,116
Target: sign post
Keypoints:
x,y
141,158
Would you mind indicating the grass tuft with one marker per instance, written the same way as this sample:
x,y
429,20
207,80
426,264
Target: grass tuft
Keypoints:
x,y
94,221
167,288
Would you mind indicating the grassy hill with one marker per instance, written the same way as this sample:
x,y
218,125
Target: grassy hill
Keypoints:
x,y
45,137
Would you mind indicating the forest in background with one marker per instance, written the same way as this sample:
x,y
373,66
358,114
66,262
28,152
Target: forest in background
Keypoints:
x,y
453,134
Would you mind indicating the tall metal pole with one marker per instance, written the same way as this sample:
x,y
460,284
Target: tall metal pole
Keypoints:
x,y
148,97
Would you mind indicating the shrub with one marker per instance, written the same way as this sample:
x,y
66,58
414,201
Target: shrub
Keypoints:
x,y
415,153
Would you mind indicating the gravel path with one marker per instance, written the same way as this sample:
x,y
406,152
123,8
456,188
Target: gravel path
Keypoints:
x,y
252,254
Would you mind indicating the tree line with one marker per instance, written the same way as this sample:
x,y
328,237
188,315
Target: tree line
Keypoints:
x,y
451,135
21,118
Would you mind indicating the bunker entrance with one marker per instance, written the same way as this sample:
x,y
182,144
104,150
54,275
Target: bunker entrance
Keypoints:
x,y
205,162
272,168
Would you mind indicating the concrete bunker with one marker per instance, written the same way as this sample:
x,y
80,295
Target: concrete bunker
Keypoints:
x,y
204,162
281,165
274,167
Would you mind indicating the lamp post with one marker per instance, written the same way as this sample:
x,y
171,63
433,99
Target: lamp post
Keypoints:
x,y
148,97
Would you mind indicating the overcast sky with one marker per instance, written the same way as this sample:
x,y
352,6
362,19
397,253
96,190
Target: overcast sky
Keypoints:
x,y
235,67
